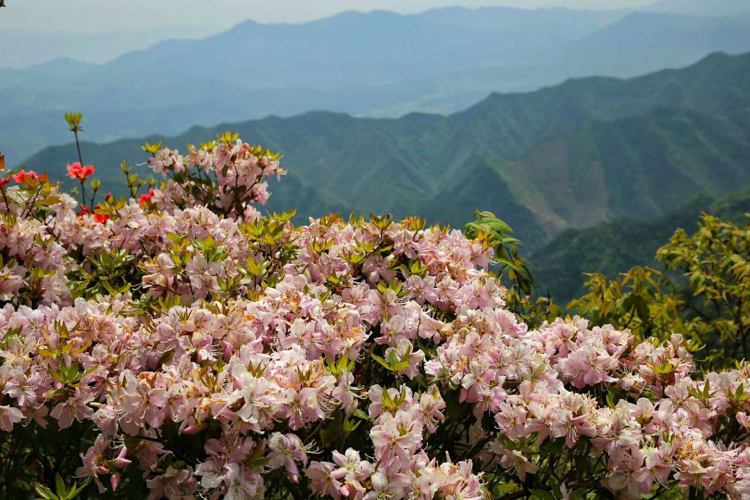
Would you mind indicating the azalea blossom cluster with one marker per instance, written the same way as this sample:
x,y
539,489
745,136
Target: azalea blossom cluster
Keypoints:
x,y
221,354
227,175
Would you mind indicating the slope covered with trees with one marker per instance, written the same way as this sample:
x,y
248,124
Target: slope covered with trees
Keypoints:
x,y
570,156
614,247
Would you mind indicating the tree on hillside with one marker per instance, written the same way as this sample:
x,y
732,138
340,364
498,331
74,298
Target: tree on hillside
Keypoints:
x,y
709,302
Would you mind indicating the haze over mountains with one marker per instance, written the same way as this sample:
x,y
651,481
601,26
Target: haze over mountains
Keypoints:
x,y
33,35
701,7
33,47
569,156
455,58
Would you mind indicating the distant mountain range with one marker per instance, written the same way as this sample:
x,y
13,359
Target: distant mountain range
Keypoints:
x,y
374,64
701,7
24,48
574,155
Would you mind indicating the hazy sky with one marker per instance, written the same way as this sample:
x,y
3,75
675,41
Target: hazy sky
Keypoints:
x,y
130,15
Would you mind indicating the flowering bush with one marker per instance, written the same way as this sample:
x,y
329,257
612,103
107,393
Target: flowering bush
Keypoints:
x,y
179,345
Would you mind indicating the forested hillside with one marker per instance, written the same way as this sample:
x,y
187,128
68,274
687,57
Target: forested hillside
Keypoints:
x,y
570,156
614,247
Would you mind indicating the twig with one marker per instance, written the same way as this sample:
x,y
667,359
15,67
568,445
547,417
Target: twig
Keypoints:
x,y
173,452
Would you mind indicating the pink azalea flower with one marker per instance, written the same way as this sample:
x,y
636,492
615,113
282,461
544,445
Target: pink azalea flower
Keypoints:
x,y
8,417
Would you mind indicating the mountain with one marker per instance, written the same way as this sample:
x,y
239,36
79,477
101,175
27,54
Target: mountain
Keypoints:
x,y
377,64
570,156
25,48
614,247
650,41
701,7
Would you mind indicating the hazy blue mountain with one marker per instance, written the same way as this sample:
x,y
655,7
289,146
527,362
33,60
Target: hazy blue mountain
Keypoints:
x,y
353,62
569,156
23,48
652,41
702,7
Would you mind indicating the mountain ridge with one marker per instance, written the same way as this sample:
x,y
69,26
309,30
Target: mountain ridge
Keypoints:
x,y
574,155
457,57
718,8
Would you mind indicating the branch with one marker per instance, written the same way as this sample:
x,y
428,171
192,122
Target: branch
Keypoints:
x,y
179,455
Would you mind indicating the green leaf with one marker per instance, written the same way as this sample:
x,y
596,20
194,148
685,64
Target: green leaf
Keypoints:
x,y
72,371
507,263
400,366
381,361
490,224
578,494
502,489
75,490
60,485
44,492
56,375
392,359
359,413
350,426
335,429
542,494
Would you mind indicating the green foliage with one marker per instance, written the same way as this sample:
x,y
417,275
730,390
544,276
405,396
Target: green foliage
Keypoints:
x,y
716,262
512,268
711,309
641,300
272,237
42,457
614,247
706,297
62,491
110,272
395,362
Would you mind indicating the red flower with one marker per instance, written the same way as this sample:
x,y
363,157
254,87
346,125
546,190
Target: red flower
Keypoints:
x,y
101,218
76,171
23,176
109,197
145,199
4,182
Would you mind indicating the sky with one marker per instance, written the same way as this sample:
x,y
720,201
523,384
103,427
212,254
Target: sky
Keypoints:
x,y
98,16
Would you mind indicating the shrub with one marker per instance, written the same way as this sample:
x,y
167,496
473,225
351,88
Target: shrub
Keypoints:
x,y
178,344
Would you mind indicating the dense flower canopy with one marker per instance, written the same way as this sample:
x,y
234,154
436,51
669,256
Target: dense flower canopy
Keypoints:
x,y
217,352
